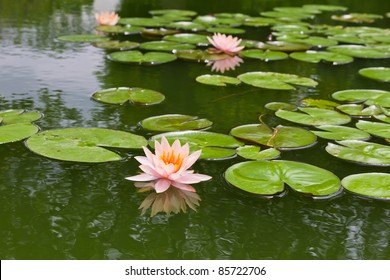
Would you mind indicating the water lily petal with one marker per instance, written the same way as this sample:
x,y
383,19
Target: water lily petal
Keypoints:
x,y
184,187
141,177
162,185
194,178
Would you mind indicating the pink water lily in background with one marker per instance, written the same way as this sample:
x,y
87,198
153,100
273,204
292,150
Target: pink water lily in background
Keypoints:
x,y
107,18
225,44
169,166
226,64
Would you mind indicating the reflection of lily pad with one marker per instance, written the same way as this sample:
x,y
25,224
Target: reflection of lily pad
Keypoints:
x,y
282,137
116,45
149,58
336,132
217,80
318,56
376,73
373,185
16,132
360,152
175,122
213,145
269,177
165,46
255,153
18,116
83,144
83,38
375,128
314,116
362,51
263,55
123,94
273,80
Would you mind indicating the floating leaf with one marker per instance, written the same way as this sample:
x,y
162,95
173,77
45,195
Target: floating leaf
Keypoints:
x,y
213,145
83,38
120,29
149,58
362,51
376,73
314,116
336,132
217,80
188,38
273,80
318,56
373,185
319,103
200,56
383,118
116,45
255,153
165,46
226,30
158,32
330,8
83,144
18,116
360,152
285,46
288,16
187,25
282,137
274,106
317,41
264,55
375,128
260,21
359,110
357,17
268,178
187,13
175,122
360,95
145,22
16,132
122,95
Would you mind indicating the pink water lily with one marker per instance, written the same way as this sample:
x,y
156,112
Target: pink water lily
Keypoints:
x,y
107,18
225,44
169,166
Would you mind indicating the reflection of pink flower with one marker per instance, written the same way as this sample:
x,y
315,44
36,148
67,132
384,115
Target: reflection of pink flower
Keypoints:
x,y
169,166
226,44
107,18
226,64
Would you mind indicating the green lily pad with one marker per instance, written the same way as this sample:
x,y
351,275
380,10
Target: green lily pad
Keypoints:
x,y
360,95
255,153
268,178
83,144
352,39
217,80
226,30
18,116
264,55
373,185
360,152
336,132
120,29
220,21
362,51
319,103
298,10
375,128
200,56
274,106
284,46
279,81
376,73
122,95
187,25
314,116
144,22
383,118
188,38
287,16
149,58
328,8
318,56
187,13
83,38
213,145
357,17
16,132
260,21
359,110
158,32
281,137
116,45
165,46
317,41
175,122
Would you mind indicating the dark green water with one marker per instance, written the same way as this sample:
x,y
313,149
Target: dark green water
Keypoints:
x,y
59,210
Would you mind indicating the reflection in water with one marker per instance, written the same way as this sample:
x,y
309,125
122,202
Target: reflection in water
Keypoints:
x,y
226,64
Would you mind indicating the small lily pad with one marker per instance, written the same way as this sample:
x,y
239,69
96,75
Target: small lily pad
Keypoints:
x,y
314,116
16,132
328,8
255,153
285,46
144,22
375,128
187,25
83,144
317,41
373,185
319,103
336,132
360,152
359,110
188,38
318,56
200,56
175,122
376,73
360,95
187,13
122,95
357,17
149,58
362,51
165,46
264,55
83,38
116,45
278,81
120,29
274,106
19,116
268,178
217,80
158,32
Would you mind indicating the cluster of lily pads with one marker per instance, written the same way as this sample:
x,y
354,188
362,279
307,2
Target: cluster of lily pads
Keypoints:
x,y
183,34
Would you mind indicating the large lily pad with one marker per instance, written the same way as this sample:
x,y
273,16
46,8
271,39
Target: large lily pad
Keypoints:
x,y
83,144
314,116
329,8
357,17
18,116
165,46
120,29
268,178
373,185
213,145
336,132
255,153
175,122
376,73
217,80
149,58
279,81
375,128
16,132
360,95
122,95
318,56
282,137
83,38
360,152
362,51
143,21
264,55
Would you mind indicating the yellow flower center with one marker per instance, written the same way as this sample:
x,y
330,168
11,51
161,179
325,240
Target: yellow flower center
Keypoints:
x,y
171,158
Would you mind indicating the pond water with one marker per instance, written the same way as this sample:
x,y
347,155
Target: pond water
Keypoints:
x,y
64,210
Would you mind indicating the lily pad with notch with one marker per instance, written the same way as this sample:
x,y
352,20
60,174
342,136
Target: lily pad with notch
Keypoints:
x,y
375,52
361,95
373,185
337,132
16,132
136,57
175,122
255,153
14,116
377,73
264,55
122,95
359,110
375,128
217,80
318,56
166,46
